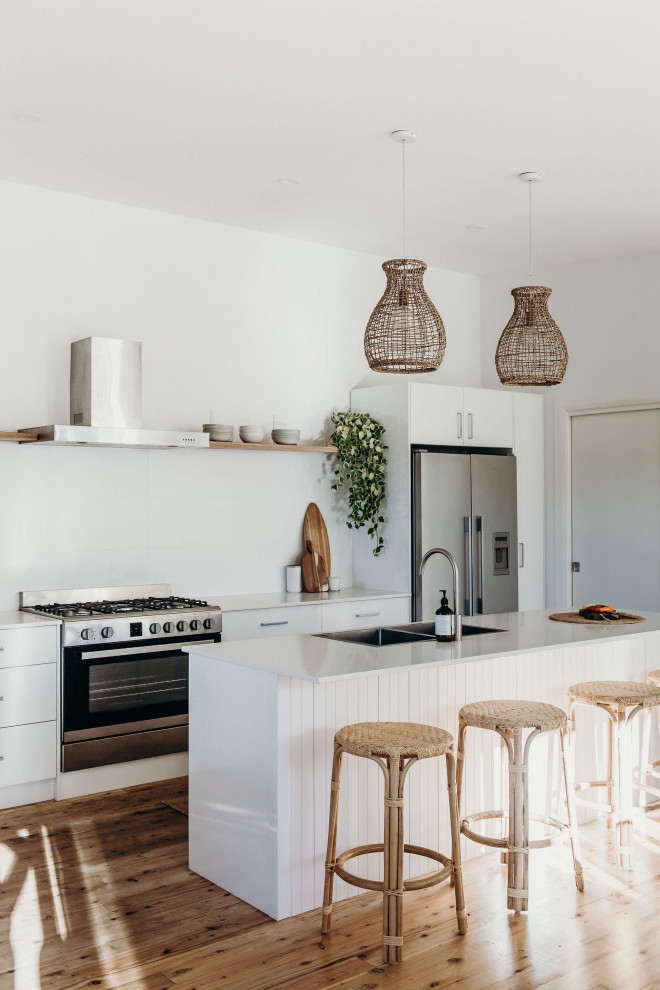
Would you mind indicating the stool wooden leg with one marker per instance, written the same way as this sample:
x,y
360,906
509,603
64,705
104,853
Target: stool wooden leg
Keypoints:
x,y
624,792
518,848
326,917
460,761
504,791
457,873
570,809
393,865
612,798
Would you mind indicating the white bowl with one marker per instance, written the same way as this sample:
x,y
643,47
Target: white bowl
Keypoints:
x,y
251,434
285,436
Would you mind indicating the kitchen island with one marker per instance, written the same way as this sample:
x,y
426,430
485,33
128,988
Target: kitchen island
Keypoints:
x,y
263,714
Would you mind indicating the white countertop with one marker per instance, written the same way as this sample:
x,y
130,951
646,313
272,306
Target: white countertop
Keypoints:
x,y
277,599
314,658
16,620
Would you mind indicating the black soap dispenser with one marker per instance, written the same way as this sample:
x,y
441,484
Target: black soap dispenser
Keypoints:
x,y
444,620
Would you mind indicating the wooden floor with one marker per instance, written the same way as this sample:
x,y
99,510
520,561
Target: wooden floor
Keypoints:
x,y
96,893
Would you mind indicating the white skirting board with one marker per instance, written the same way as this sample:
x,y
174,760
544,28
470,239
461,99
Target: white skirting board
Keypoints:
x,y
261,750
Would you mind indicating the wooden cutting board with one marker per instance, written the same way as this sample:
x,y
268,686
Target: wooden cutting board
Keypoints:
x,y
314,530
314,574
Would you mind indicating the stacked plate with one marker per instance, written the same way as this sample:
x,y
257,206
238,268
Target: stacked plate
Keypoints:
x,y
218,432
285,436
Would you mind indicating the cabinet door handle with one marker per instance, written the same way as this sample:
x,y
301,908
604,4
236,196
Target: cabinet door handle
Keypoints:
x,y
470,426
365,615
283,622
459,425
2,649
521,561
2,699
1,757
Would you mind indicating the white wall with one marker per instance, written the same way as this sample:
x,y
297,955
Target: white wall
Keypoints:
x,y
608,313
246,323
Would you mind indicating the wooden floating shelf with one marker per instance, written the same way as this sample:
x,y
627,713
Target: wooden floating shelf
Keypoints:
x,y
17,437
283,447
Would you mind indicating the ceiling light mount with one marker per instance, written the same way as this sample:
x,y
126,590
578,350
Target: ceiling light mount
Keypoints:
x,y
404,137
530,176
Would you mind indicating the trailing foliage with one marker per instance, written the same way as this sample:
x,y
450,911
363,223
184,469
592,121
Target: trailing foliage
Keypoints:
x,y
362,468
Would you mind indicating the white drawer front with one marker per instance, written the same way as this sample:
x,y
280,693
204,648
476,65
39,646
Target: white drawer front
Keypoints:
x,y
291,620
27,752
361,615
22,647
28,694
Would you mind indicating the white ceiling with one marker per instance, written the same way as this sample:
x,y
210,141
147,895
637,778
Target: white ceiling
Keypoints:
x,y
199,107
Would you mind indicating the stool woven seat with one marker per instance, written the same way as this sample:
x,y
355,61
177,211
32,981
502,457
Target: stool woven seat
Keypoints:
x,y
615,693
394,740
513,714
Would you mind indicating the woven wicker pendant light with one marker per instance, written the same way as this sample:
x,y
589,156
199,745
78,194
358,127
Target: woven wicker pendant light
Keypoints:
x,y
531,350
405,333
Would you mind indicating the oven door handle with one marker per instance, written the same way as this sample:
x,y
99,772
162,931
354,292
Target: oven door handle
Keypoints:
x,y
137,651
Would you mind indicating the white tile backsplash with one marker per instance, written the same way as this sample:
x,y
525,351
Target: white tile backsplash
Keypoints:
x,y
207,522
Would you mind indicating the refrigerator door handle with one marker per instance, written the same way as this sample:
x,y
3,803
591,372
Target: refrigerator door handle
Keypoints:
x,y
467,530
480,565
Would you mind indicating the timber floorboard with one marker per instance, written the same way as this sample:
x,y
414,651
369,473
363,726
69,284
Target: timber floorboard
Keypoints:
x,y
96,892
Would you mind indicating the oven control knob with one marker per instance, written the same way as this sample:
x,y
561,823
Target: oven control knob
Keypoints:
x,y
168,627
86,634
182,626
108,632
154,628
209,623
195,624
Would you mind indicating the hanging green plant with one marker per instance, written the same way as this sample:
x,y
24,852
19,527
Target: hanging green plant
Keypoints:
x,y
361,467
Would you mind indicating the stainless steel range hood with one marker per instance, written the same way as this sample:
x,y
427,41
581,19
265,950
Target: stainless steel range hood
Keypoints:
x,y
106,401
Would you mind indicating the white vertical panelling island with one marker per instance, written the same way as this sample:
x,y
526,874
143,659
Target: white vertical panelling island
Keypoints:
x,y
263,714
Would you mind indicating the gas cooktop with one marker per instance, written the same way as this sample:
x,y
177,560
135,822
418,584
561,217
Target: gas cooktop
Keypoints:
x,y
106,613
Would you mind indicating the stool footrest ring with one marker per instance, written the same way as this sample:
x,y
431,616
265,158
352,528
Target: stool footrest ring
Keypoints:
x,y
414,883
503,843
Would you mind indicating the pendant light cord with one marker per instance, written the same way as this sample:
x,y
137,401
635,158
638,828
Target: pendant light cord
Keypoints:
x,y
403,193
531,267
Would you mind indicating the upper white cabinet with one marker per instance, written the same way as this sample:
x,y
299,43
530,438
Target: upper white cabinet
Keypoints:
x,y
487,417
452,416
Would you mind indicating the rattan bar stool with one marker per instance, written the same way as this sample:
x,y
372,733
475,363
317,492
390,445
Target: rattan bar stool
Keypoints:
x,y
395,747
510,719
615,698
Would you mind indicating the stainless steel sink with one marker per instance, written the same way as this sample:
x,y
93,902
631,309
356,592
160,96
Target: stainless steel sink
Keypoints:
x,y
414,632
428,629
378,636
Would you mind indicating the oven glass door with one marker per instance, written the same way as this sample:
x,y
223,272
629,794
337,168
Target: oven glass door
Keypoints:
x,y
124,684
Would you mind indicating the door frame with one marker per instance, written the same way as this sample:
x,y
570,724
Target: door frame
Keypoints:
x,y
563,486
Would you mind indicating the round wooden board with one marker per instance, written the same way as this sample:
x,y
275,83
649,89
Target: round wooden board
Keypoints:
x,y
625,619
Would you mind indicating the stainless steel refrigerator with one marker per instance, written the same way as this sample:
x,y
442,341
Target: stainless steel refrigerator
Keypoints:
x,y
465,503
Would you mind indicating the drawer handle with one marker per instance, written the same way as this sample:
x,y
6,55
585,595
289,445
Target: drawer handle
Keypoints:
x,y
2,699
282,622
1,758
365,615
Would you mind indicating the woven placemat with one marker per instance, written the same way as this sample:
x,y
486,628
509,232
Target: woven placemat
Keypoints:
x,y
625,619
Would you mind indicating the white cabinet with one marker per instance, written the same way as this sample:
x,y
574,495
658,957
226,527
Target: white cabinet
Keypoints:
x,y
27,753
436,414
488,418
28,713
366,613
528,448
451,416
290,620
28,694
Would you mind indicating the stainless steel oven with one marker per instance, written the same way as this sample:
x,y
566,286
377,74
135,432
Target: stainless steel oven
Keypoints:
x,y
124,670
125,701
